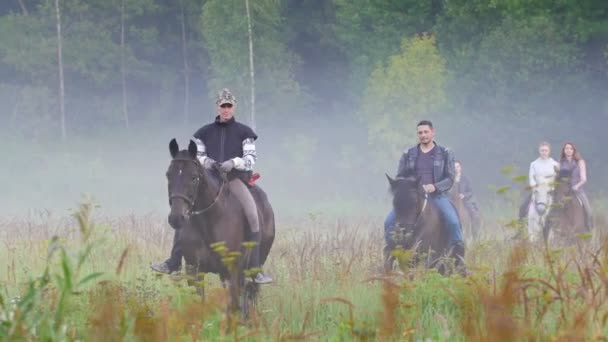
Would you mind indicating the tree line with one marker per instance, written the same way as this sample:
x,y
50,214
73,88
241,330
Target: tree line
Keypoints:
x,y
87,67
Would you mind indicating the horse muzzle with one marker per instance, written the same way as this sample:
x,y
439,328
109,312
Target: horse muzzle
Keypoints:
x,y
177,221
541,208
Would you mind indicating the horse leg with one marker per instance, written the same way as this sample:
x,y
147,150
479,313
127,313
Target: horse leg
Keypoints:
x,y
524,209
196,279
388,258
249,297
587,212
474,218
476,226
234,290
533,225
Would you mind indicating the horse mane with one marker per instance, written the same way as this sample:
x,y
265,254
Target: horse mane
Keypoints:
x,y
402,189
562,191
400,184
212,176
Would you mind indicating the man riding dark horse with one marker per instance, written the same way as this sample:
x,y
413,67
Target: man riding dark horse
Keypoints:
x,y
433,165
232,145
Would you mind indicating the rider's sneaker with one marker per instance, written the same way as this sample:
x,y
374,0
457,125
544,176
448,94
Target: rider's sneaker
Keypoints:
x,y
261,278
162,267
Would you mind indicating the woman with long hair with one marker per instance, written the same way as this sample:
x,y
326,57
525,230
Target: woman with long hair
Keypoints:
x,y
574,169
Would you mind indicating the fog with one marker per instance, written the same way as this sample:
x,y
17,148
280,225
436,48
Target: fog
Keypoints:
x,y
314,150
125,172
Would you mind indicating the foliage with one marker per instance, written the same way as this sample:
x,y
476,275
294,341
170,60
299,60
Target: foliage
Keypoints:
x,y
223,24
327,287
409,88
371,31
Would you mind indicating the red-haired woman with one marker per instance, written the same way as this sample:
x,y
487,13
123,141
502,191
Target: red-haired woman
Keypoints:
x,y
573,167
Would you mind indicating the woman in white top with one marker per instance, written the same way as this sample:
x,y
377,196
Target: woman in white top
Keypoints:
x,y
543,170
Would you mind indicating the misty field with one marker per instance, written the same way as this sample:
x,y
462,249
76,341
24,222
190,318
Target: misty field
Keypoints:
x,y
88,278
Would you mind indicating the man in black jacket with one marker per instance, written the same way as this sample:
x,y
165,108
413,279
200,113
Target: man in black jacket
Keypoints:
x,y
232,144
433,165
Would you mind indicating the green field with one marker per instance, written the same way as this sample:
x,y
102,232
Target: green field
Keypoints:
x,y
93,283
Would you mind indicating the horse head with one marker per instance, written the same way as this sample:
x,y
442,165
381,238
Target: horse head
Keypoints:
x,y
408,199
563,192
186,183
542,198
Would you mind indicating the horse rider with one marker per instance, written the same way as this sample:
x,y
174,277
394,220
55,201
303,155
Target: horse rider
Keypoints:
x,y
433,165
543,170
462,185
572,168
231,145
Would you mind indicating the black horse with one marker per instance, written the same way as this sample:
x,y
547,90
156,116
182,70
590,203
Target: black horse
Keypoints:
x,y
213,224
420,225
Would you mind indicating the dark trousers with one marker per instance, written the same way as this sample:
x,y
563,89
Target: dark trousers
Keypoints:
x,y
175,260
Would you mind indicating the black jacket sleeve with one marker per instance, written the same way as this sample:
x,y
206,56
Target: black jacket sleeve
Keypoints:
x,y
466,189
449,172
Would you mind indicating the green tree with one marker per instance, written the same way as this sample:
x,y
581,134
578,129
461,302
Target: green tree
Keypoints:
x,y
324,67
526,54
224,28
370,31
28,47
409,88
522,63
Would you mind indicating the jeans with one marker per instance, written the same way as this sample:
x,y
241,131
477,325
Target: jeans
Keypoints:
x,y
447,212
389,227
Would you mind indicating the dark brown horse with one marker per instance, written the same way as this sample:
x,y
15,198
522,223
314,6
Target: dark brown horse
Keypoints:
x,y
210,215
567,217
420,222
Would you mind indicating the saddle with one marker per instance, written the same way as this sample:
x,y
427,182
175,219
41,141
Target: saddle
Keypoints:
x,y
248,178
254,177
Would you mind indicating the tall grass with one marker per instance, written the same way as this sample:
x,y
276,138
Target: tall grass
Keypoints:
x,y
87,278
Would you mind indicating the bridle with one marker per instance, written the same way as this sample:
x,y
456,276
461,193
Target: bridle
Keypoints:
x,y
547,203
192,202
426,200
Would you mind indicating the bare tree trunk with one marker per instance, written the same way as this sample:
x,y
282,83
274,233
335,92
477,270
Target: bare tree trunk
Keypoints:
x,y
60,65
123,70
15,110
186,67
23,8
251,69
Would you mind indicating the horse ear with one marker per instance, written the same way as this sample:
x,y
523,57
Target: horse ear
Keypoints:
x,y
392,182
192,149
173,148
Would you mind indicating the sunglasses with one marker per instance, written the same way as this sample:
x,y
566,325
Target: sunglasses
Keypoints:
x,y
226,105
